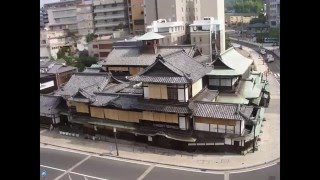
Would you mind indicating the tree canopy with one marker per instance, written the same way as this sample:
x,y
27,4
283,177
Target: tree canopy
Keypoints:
x,y
248,6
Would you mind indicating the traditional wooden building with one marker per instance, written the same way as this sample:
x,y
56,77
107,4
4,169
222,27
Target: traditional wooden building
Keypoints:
x,y
131,57
50,108
174,102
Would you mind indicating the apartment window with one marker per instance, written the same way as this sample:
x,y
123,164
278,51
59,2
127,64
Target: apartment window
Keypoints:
x,y
114,5
200,39
194,39
105,46
142,12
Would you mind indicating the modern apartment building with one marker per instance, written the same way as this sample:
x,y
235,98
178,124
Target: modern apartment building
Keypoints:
x,y
209,8
110,15
136,16
200,35
173,32
273,13
63,15
171,10
43,18
85,19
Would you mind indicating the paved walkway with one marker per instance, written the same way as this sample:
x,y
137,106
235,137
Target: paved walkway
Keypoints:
x,y
269,146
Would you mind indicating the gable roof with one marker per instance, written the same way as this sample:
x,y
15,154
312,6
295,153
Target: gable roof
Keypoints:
x,y
176,68
49,104
133,56
88,81
150,36
222,110
233,60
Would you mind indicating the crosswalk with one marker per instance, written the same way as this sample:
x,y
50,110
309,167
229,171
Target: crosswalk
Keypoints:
x,y
277,75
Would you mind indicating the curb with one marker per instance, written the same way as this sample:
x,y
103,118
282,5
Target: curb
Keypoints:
x,y
152,162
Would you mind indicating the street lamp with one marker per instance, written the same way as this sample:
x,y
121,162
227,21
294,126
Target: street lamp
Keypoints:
x,y
115,137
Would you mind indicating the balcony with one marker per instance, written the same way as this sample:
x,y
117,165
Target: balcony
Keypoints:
x,y
98,31
108,17
121,8
109,24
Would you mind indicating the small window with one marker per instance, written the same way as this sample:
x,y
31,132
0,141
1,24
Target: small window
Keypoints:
x,y
200,39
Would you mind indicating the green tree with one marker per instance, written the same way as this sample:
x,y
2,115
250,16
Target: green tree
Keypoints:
x,y
261,19
91,37
62,53
84,61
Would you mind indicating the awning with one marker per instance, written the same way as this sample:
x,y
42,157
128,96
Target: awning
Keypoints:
x,y
111,124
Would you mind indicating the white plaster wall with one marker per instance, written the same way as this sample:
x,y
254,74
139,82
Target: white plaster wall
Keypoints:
x,y
146,92
196,87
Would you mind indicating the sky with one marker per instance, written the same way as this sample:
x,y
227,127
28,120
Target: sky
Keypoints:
x,y
47,1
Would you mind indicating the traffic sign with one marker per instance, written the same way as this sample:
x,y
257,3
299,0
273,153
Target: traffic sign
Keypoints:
x,y
44,173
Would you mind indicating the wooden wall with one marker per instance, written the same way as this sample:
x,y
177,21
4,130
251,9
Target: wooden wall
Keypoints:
x,y
160,117
120,115
157,91
118,68
135,70
227,122
81,107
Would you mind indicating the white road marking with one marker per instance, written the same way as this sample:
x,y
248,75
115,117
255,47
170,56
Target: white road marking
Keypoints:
x,y
49,167
76,165
189,169
226,176
88,176
146,172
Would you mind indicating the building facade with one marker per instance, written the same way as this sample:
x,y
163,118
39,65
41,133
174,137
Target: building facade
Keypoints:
x,y
43,18
110,15
57,39
100,47
63,15
136,17
273,13
85,19
200,35
173,32
236,18
171,10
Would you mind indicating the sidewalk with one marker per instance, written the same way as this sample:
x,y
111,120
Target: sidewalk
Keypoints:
x,y
269,146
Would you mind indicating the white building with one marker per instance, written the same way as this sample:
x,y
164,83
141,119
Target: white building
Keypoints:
x,y
273,13
171,10
85,19
174,32
57,39
200,34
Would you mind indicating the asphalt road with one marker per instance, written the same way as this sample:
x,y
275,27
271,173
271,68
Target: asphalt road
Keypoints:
x,y
60,164
273,66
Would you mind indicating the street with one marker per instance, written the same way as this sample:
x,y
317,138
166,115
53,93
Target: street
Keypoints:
x,y
65,165
255,51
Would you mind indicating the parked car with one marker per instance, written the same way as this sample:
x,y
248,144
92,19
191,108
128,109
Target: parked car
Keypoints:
x,y
263,51
270,58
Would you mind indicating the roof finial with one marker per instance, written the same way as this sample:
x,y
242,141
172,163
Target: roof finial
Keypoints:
x,y
159,57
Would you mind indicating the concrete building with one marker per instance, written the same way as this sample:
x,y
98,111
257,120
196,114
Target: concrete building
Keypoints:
x,y
43,18
209,8
102,46
63,15
109,15
174,32
44,46
85,19
57,39
171,10
136,16
273,13
235,18
200,35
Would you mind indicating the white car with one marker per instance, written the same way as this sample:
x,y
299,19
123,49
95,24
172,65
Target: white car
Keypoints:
x,y
263,51
270,58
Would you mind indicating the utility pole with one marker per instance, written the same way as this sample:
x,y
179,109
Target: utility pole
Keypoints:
x,y
115,137
254,135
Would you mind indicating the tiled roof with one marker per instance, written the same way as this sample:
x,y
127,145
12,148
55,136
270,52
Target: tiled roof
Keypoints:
x,y
221,110
234,60
174,68
59,68
133,56
88,81
150,36
206,95
202,59
92,70
48,104
103,99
